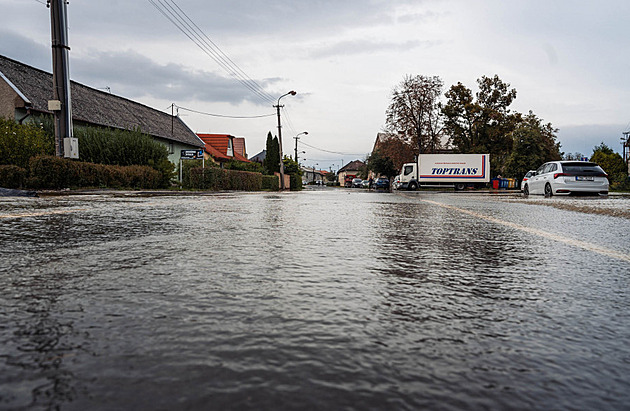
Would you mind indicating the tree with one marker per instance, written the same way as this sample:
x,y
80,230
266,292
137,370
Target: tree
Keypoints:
x,y
381,164
533,143
482,124
414,112
396,148
611,162
272,158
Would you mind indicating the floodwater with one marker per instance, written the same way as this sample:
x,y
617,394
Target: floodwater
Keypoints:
x,y
323,299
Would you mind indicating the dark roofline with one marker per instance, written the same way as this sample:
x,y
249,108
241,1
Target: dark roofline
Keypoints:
x,y
93,106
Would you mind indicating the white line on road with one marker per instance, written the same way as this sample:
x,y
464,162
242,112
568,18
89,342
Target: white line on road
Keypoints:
x,y
541,233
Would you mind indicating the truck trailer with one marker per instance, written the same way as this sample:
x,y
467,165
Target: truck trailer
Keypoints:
x,y
446,170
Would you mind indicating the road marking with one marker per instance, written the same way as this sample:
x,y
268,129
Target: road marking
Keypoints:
x,y
573,242
41,213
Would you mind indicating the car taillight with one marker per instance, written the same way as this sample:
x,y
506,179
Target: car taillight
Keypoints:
x,y
524,178
556,175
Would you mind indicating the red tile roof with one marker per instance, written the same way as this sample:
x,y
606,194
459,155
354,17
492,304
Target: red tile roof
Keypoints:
x,y
239,146
217,146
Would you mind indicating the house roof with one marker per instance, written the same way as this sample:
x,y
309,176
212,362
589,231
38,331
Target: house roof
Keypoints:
x,y
217,145
352,166
93,106
260,157
239,146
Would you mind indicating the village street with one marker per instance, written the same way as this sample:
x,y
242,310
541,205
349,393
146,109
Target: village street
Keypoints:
x,y
321,299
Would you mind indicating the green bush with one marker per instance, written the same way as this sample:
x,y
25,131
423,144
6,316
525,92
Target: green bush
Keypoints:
x,y
20,142
12,176
270,183
296,182
220,179
124,148
49,172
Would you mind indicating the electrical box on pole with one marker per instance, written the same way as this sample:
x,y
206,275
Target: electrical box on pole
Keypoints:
x,y
61,103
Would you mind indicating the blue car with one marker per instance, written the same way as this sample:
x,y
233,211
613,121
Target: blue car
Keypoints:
x,y
381,183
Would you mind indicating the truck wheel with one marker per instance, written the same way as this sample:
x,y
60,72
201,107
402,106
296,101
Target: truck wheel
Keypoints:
x,y
413,186
460,186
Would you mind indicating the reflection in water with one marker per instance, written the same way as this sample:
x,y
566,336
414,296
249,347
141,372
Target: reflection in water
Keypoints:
x,y
323,299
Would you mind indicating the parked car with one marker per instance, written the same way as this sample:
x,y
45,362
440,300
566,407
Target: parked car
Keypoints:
x,y
365,184
567,177
381,182
357,182
396,182
528,175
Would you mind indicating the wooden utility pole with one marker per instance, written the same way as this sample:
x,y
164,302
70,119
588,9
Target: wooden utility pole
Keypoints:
x,y
61,104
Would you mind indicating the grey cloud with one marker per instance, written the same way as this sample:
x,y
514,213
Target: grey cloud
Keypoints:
x,y
25,50
133,75
367,46
237,18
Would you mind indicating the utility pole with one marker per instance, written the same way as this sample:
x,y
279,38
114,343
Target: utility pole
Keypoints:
x,y
296,144
278,106
61,104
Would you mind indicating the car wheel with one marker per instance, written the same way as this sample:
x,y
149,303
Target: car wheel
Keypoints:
x,y
460,186
526,190
413,186
548,190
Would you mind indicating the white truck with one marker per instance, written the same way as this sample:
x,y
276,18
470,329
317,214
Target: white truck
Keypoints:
x,y
446,170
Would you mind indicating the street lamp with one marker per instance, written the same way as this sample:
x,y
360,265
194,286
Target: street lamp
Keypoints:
x,y
296,140
293,93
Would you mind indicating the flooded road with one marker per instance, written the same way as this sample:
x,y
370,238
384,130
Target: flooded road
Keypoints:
x,y
323,299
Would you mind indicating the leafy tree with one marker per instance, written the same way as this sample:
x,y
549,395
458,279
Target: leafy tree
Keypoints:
x,y
414,112
397,149
381,164
534,143
612,163
291,166
272,159
482,124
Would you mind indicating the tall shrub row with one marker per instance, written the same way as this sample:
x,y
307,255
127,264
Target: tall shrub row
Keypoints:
x,y
124,148
222,179
49,172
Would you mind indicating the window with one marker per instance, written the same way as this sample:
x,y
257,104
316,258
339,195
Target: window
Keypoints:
x,y
171,148
230,148
408,170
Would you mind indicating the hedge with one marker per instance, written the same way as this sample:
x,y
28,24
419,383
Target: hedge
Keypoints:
x,y
12,176
49,172
222,179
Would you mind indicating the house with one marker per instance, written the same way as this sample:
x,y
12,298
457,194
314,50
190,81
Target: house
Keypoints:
x,y
220,148
350,170
25,91
312,176
260,157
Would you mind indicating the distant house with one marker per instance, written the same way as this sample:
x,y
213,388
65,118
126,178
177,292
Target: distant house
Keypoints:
x,y
221,148
259,158
312,176
351,169
25,91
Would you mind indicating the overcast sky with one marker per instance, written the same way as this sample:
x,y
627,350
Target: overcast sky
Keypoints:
x,y
567,59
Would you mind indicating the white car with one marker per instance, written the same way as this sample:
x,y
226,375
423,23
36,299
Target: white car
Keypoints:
x,y
566,177
529,175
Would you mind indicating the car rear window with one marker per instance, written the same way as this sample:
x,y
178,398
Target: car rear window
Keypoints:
x,y
585,168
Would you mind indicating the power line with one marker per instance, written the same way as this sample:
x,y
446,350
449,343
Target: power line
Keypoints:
x,y
197,36
332,152
222,115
